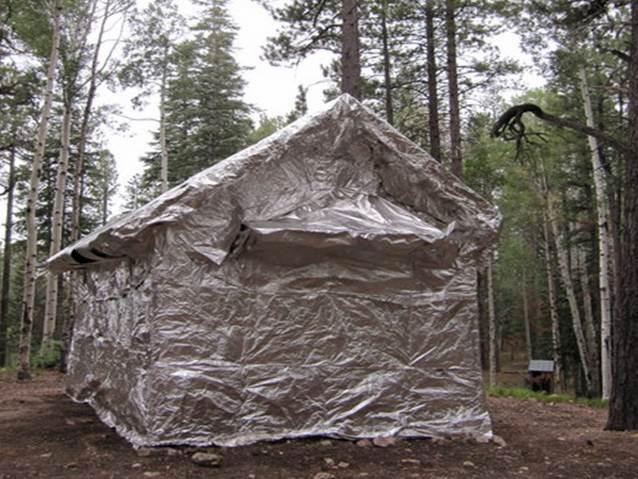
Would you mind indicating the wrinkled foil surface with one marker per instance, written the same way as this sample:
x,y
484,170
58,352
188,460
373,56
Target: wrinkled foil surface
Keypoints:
x,y
319,283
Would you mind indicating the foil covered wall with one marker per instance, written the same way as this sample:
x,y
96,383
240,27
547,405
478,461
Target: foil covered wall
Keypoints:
x,y
321,282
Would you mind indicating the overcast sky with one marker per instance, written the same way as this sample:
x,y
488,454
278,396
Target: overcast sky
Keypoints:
x,y
269,89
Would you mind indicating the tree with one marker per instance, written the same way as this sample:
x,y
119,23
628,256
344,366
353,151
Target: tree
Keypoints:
x,y
623,406
206,117
456,159
24,371
6,257
433,94
605,240
150,63
350,60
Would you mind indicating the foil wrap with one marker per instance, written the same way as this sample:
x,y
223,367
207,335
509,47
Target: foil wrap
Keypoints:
x,y
319,283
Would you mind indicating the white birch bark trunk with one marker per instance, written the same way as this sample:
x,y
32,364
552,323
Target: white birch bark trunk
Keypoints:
x,y
491,318
553,309
566,278
28,297
605,256
51,301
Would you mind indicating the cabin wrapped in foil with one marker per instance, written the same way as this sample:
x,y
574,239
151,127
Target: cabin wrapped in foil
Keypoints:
x,y
319,283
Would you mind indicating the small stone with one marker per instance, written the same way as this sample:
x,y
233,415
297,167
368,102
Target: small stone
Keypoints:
x,y
561,438
324,475
206,459
144,452
137,465
416,462
46,456
523,468
152,474
484,439
468,464
364,443
172,452
343,465
325,442
384,441
499,441
329,462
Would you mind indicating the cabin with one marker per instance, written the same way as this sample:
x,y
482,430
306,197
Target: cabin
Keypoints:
x,y
319,283
540,375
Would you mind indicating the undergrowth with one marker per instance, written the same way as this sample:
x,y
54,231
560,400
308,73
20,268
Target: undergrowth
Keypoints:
x,y
524,393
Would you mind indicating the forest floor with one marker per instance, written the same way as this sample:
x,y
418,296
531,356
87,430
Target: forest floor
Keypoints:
x,y
44,434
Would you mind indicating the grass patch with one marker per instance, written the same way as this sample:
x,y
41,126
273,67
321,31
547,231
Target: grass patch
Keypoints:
x,y
524,393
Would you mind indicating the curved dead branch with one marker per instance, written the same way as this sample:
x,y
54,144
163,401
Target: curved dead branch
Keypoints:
x,y
510,126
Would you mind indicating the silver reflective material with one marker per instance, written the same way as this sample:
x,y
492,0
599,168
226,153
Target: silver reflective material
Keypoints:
x,y
321,282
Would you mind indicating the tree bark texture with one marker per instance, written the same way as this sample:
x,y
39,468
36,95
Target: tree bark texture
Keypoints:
x,y
623,402
456,158
568,284
553,308
162,132
605,242
28,299
493,344
579,262
433,94
387,65
350,55
6,259
51,301
526,321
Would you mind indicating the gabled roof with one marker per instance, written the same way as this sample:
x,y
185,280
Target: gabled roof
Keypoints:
x,y
343,148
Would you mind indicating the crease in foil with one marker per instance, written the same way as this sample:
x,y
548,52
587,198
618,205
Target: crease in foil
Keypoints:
x,y
319,283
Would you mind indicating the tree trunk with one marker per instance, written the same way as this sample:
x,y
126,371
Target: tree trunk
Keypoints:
x,y
350,61
565,274
492,318
433,94
579,258
162,132
605,240
84,129
6,259
456,159
51,302
387,67
623,402
526,323
28,299
553,308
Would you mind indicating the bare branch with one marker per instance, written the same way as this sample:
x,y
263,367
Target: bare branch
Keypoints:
x,y
510,126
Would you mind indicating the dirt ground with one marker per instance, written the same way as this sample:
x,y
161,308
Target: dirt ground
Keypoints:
x,y
44,434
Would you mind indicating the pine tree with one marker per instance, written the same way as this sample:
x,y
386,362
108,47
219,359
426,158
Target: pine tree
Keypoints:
x,y
207,119
150,64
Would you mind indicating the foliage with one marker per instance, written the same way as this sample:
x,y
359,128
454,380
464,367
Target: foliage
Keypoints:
x,y
207,120
48,356
524,393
